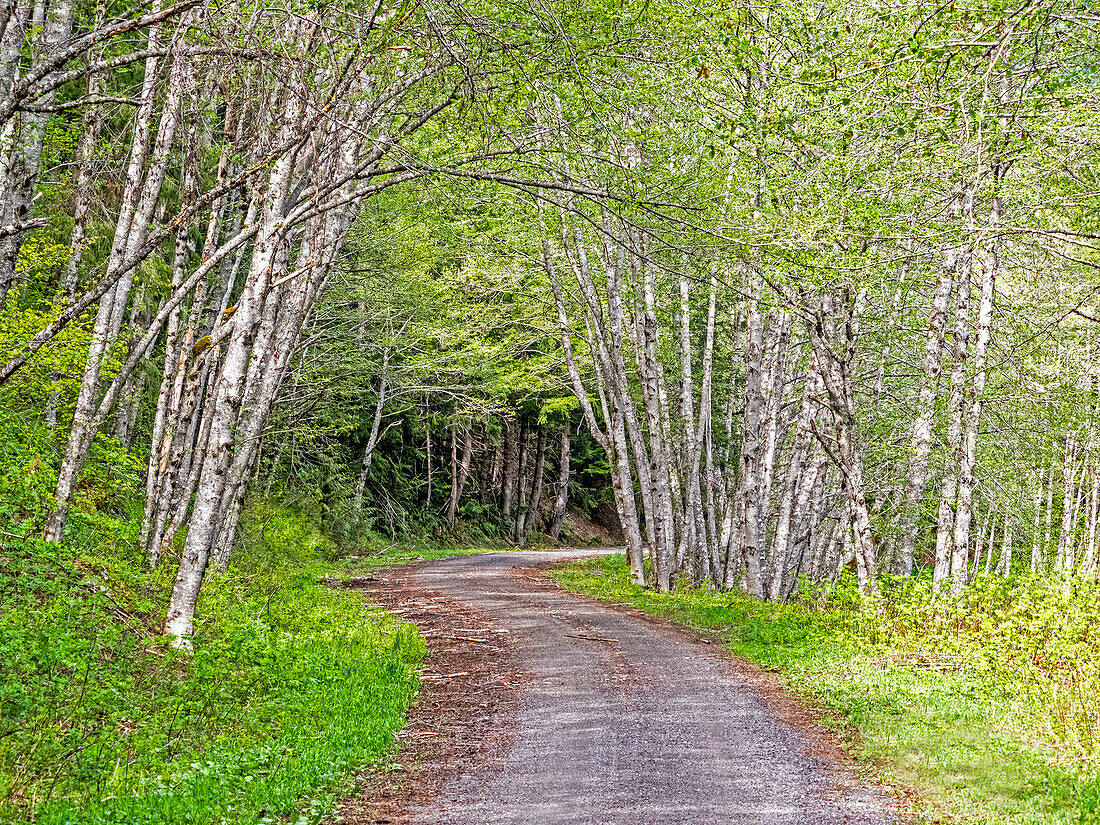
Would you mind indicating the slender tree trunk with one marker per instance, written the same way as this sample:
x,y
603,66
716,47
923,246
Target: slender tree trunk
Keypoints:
x,y
782,543
1043,557
751,448
1004,563
460,471
1036,554
992,542
775,380
945,516
562,499
1063,562
836,372
428,464
662,522
920,449
86,173
228,398
26,160
532,511
988,263
810,502
375,430
522,460
510,482
138,201
1088,562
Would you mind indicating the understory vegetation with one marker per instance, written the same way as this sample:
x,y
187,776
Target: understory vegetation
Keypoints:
x,y
988,704
292,687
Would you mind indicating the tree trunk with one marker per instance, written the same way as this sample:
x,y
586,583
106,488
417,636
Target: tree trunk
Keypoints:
x,y
969,451
774,384
510,480
751,448
1088,562
1043,559
85,172
794,484
1004,563
460,472
375,428
26,161
532,511
1063,562
229,395
562,499
836,372
1036,555
945,516
920,449
138,200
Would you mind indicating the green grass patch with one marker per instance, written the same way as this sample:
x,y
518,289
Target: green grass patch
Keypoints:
x,y
983,705
402,553
292,687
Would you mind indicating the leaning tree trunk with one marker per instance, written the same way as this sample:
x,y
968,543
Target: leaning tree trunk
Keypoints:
x,y
227,401
85,173
375,427
139,199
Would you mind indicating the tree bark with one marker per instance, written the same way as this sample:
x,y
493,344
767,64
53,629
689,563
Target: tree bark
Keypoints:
x,y
969,448
531,512
510,482
793,484
375,430
920,449
945,516
462,472
751,447
562,498
1036,554
138,201
837,375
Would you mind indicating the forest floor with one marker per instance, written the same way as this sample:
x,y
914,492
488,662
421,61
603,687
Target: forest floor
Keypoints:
x,y
544,707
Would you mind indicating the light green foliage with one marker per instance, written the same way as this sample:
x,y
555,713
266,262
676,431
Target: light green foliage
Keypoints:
x,y
27,479
438,289
988,704
39,254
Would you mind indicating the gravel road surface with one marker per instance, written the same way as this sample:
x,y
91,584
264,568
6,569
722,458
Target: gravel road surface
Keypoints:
x,y
622,721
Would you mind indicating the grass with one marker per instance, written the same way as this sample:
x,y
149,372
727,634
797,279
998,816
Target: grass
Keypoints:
x,y
403,553
293,687
964,704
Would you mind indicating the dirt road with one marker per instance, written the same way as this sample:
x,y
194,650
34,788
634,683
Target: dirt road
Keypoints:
x,y
622,721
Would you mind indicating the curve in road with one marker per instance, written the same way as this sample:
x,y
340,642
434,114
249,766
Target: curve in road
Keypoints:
x,y
624,722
